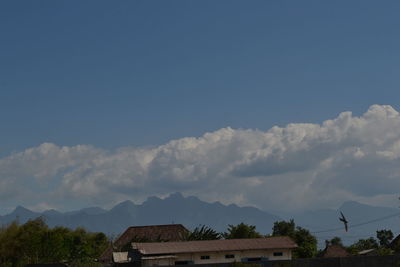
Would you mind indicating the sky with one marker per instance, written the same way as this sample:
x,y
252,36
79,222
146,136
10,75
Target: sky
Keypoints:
x,y
282,105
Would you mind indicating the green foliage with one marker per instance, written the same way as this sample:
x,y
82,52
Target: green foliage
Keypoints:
x,y
382,248
363,244
384,251
307,243
283,228
35,242
241,230
336,241
384,237
203,233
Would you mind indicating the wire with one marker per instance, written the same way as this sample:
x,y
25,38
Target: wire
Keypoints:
x,y
358,224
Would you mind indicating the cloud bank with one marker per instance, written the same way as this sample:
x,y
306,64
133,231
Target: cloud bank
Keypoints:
x,y
300,166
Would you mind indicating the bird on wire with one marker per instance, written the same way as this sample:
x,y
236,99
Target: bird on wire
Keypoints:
x,y
345,222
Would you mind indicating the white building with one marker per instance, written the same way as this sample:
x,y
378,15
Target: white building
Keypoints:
x,y
214,251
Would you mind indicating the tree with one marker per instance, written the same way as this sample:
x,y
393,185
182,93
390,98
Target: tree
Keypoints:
x,y
30,238
283,228
241,230
384,237
307,243
336,241
35,242
203,233
9,245
54,245
363,244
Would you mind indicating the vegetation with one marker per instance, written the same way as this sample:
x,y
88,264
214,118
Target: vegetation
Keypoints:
x,y
364,244
384,237
381,244
35,242
336,241
307,243
203,233
241,230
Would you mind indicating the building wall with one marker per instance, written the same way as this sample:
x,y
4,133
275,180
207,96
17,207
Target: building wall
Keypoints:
x,y
159,262
219,257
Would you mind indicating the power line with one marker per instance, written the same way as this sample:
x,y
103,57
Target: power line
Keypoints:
x,y
358,224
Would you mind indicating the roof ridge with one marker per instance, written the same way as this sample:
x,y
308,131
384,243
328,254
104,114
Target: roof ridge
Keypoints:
x,y
157,225
222,240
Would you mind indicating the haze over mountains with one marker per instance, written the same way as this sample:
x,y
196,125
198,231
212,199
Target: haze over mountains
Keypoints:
x,y
191,212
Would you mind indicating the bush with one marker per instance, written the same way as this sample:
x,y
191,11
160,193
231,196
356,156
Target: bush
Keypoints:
x,y
241,264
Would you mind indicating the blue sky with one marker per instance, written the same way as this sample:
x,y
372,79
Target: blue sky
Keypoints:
x,y
144,72
141,73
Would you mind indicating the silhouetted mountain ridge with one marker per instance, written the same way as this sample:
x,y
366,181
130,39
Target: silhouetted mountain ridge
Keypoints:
x,y
189,211
192,212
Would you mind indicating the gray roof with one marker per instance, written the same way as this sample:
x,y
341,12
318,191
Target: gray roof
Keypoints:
x,y
281,242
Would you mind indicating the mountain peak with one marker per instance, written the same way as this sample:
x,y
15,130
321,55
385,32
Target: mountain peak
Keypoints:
x,y
176,195
127,204
21,209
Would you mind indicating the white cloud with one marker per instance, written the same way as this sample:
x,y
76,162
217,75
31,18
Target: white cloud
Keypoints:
x,y
299,166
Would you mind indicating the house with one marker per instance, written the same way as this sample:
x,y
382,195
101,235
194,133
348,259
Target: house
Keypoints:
x,y
368,252
395,243
334,252
151,233
213,251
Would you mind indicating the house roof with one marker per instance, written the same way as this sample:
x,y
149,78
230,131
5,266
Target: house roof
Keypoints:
x,y
149,233
120,257
367,251
335,252
394,242
282,242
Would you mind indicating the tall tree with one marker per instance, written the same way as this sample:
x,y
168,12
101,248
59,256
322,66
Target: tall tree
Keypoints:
x,y
307,243
35,242
336,241
9,245
241,230
203,233
283,228
31,237
384,237
363,244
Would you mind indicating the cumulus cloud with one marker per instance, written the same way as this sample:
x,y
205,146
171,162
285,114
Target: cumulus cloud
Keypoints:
x,y
299,166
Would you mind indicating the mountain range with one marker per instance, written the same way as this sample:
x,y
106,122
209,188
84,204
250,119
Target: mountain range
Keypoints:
x,y
190,211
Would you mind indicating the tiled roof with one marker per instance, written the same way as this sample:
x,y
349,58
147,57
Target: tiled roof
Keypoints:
x,y
151,233
335,252
214,245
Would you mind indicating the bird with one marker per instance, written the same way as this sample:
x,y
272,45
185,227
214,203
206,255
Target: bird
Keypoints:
x,y
343,219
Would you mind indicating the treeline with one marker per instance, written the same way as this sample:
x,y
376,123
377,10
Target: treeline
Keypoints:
x,y
382,244
34,242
